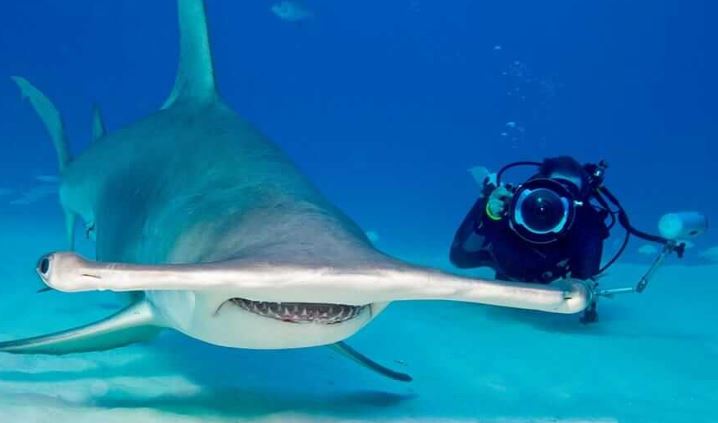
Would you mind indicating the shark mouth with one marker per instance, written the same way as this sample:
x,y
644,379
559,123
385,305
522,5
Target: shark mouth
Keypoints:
x,y
326,314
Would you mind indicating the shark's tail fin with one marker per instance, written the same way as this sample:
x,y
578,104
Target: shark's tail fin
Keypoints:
x,y
195,75
53,123
135,323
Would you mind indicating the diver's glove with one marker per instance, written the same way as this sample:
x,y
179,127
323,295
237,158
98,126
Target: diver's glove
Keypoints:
x,y
498,202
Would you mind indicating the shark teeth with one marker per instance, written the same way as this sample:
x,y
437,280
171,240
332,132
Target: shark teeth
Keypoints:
x,y
327,314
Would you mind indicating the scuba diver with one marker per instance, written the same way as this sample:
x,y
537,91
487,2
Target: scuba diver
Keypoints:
x,y
551,226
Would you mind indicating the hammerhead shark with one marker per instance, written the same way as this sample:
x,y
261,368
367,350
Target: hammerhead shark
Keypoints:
x,y
217,235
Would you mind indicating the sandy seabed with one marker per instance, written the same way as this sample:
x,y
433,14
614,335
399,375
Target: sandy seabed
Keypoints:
x,y
651,358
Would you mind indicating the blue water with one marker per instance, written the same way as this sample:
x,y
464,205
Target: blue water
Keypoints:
x,y
385,105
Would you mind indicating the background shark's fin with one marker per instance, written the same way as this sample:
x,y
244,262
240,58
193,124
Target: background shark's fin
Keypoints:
x,y
365,361
53,123
50,117
98,124
195,75
135,323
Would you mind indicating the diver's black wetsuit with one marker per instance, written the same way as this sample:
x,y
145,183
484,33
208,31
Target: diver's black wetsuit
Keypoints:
x,y
482,241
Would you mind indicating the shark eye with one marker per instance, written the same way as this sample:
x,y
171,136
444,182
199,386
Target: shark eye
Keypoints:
x,y
44,265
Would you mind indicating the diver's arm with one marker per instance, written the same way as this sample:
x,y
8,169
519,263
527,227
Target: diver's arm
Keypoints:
x,y
470,247
466,242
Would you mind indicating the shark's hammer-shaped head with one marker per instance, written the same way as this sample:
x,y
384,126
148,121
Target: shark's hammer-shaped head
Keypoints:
x,y
233,303
245,303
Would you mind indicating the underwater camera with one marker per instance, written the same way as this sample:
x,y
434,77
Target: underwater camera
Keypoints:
x,y
542,210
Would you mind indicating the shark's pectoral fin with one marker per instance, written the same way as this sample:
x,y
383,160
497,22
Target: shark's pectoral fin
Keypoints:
x,y
365,361
135,323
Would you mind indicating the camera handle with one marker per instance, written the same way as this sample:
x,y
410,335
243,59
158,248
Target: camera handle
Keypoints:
x,y
642,283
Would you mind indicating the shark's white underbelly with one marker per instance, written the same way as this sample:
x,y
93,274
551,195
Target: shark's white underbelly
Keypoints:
x,y
208,317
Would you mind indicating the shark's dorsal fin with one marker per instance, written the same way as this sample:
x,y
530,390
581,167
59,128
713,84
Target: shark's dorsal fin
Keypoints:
x,y
195,75
50,117
135,323
98,124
